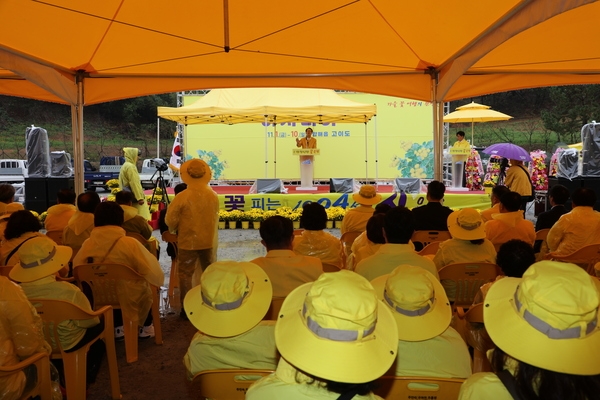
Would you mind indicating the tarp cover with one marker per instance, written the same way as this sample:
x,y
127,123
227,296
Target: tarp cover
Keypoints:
x,y
234,106
590,137
38,152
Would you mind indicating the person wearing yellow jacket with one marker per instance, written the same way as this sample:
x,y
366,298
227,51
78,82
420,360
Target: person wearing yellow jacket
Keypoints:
x,y
21,336
108,243
314,241
59,214
81,223
129,179
133,222
22,226
509,224
193,215
7,206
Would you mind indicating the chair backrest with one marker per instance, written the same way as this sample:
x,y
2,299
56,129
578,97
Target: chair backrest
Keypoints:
x,y
430,249
43,387
298,232
587,257
541,234
57,236
169,237
407,387
273,311
330,268
226,384
150,245
426,237
4,270
468,277
348,238
103,280
475,314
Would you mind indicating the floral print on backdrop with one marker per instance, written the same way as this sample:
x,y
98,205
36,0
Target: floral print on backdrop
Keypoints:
x,y
417,161
537,170
474,171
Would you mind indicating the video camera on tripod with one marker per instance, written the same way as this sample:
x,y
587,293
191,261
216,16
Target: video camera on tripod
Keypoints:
x,y
160,164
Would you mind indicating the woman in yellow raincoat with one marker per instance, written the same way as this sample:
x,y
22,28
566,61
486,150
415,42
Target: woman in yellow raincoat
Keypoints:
x,y
129,179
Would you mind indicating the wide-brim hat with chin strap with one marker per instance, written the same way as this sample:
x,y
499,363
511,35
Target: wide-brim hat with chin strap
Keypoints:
x,y
232,298
466,224
417,300
336,329
38,258
195,172
367,195
548,318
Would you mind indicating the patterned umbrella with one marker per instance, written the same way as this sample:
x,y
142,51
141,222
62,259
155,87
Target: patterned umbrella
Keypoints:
x,y
508,150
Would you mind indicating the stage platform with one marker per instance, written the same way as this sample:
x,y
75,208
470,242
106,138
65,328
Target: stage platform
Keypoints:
x,y
238,197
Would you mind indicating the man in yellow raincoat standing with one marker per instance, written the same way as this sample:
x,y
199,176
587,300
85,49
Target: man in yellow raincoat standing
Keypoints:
x,y
193,215
129,179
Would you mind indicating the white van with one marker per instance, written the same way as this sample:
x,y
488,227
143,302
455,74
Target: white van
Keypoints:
x,y
150,172
13,171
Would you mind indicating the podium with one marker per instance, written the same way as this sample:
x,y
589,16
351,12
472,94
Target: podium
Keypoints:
x,y
458,166
307,164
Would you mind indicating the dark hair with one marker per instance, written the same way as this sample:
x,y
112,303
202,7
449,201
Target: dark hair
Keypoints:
x,y
7,193
277,232
108,213
584,197
534,383
360,389
314,217
399,225
382,208
311,130
498,191
66,196
180,187
559,193
375,228
511,201
514,257
460,133
436,190
477,241
124,197
87,202
21,222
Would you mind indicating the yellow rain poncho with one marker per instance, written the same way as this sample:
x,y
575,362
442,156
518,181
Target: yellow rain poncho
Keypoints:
x,y
320,244
129,179
78,229
58,216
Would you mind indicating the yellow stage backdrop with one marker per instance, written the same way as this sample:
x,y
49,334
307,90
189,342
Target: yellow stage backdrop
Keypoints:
x,y
401,147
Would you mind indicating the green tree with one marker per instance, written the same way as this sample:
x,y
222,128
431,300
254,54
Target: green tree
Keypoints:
x,y
571,108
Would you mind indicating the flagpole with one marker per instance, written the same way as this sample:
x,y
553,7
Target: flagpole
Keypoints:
x,y
157,137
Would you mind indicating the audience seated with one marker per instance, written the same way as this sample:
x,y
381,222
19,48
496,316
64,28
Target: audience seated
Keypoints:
x,y
544,327
557,197
497,192
335,340
7,206
314,241
578,228
427,345
162,225
22,226
40,260
362,239
227,308
81,223
510,223
286,269
21,336
133,222
108,243
375,239
433,215
356,218
59,214
399,225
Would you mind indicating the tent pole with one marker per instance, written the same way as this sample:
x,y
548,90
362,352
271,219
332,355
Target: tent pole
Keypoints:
x,y
472,142
274,148
77,136
266,147
366,157
157,137
376,150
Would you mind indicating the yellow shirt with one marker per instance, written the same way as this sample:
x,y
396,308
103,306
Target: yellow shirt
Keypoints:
x,y
320,244
8,246
254,349
290,384
507,226
574,230
288,270
78,229
58,217
482,386
454,251
444,356
306,143
463,144
487,214
356,219
389,256
69,332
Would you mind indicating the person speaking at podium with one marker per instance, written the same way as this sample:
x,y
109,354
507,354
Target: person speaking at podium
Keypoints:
x,y
308,142
461,160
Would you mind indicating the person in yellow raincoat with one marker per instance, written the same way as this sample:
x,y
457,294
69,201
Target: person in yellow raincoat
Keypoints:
x,y
314,241
21,227
129,179
108,243
81,223
7,206
21,336
193,216
59,214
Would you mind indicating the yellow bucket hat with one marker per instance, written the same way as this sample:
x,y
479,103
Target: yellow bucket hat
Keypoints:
x,y
195,172
232,298
367,195
7,210
466,224
548,318
336,329
417,300
39,257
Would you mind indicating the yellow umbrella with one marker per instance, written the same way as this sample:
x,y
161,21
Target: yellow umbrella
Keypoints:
x,y
474,112
578,146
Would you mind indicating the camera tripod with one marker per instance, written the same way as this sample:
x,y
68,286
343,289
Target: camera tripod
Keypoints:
x,y
159,184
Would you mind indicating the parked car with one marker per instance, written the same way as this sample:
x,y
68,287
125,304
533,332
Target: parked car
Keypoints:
x,y
13,171
152,168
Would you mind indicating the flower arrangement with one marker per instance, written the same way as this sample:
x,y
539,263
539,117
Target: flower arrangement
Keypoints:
x,y
153,199
254,215
110,198
488,183
236,215
42,217
474,171
335,213
153,208
537,170
554,162
493,170
113,183
289,213
224,215
115,190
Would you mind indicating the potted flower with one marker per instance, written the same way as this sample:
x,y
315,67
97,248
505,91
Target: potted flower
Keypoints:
x,y
295,216
488,185
336,214
223,217
112,183
256,216
42,217
235,216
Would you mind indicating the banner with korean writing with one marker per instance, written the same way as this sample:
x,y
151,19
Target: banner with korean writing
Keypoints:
x,y
401,146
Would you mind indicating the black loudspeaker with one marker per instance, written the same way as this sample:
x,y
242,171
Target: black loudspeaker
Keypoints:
x,y
56,184
341,185
268,185
36,194
407,185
